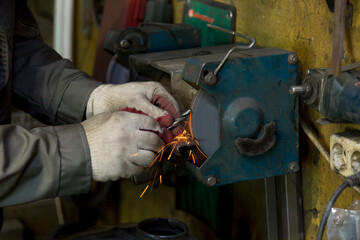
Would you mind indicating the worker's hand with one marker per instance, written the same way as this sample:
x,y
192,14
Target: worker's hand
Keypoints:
x,y
121,144
148,97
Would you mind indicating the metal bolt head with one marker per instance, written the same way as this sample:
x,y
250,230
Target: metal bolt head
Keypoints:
x,y
124,43
293,59
211,181
308,72
210,78
294,167
229,14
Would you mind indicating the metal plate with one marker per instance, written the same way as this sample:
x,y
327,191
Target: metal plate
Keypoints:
x,y
204,122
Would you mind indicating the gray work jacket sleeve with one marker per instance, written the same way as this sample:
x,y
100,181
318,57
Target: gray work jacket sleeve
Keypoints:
x,y
44,84
42,163
49,161
48,86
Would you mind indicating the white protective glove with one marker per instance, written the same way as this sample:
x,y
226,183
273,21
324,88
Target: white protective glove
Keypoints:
x,y
121,144
149,97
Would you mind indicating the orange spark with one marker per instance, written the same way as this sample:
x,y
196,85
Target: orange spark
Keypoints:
x,y
152,184
172,150
144,191
154,160
185,137
197,147
163,150
192,155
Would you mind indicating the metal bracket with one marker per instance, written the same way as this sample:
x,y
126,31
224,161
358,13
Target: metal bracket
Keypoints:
x,y
211,77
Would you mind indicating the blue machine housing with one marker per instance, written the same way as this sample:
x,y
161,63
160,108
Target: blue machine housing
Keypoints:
x,y
252,97
152,37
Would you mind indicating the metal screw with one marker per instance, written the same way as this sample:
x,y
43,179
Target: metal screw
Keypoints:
x,y
229,14
293,59
211,181
294,167
124,43
210,78
308,72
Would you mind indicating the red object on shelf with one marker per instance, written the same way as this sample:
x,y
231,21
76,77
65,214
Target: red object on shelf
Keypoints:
x,y
137,11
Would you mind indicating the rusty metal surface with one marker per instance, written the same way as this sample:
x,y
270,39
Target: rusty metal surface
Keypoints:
x,y
306,28
251,93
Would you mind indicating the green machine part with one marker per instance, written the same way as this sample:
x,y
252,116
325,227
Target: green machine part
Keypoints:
x,y
199,13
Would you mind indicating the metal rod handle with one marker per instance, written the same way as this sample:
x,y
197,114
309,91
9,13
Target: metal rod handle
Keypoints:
x,y
233,49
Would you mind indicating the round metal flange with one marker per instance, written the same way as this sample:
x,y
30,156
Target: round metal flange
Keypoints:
x,y
311,96
204,122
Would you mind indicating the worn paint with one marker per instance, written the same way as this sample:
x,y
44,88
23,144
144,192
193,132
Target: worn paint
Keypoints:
x,y
304,27
236,92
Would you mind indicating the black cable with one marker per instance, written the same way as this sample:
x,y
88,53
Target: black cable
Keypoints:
x,y
328,208
353,180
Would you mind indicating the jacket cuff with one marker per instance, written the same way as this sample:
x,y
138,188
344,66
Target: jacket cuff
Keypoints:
x,y
74,100
75,166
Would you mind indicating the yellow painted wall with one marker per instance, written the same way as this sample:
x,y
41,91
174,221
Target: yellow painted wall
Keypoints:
x,y
304,27
84,45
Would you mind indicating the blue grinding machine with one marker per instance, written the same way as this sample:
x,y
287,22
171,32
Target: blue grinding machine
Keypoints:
x,y
243,116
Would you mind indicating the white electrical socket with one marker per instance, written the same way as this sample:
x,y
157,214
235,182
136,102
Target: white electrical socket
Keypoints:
x,y
345,153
